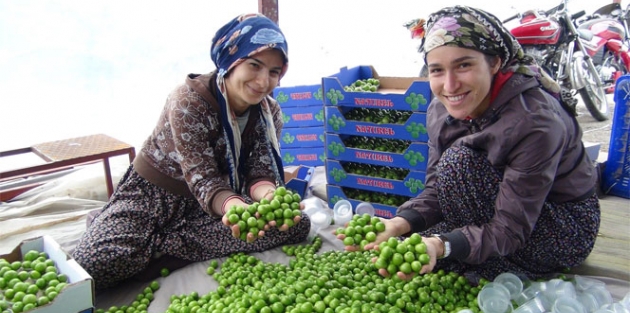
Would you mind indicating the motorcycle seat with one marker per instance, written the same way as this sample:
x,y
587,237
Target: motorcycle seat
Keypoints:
x,y
613,9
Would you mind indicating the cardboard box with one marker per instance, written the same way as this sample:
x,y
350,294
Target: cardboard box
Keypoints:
x,y
305,116
313,156
302,137
78,295
413,129
616,174
415,157
411,186
335,193
397,93
298,96
297,178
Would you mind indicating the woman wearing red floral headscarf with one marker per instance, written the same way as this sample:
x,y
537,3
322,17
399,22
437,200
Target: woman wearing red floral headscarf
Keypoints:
x,y
214,146
509,185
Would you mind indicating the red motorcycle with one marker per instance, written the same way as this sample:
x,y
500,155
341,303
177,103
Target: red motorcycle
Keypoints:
x,y
553,39
605,34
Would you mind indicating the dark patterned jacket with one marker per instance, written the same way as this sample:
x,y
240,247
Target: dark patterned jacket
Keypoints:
x,y
186,153
525,134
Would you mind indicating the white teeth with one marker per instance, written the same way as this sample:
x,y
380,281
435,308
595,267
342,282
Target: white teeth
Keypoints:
x,y
455,98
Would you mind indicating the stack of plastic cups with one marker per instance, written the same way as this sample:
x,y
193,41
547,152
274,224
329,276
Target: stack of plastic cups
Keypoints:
x,y
319,215
622,306
531,299
342,212
510,281
565,304
557,288
592,293
494,298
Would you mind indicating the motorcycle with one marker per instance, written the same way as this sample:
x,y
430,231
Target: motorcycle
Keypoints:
x,y
606,41
552,37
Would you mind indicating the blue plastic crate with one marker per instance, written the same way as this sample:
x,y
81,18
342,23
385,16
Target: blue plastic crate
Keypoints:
x,y
616,175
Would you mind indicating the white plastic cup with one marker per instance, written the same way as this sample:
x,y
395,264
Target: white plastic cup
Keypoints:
x,y
557,288
534,305
319,215
494,298
595,297
582,283
363,208
567,305
510,281
527,294
342,212
617,307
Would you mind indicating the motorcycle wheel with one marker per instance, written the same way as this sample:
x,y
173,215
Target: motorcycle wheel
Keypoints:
x,y
592,92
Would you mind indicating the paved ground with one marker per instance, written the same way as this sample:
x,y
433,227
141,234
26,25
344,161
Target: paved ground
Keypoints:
x,y
595,131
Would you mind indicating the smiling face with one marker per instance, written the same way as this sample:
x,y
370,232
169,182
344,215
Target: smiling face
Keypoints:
x,y
249,82
461,79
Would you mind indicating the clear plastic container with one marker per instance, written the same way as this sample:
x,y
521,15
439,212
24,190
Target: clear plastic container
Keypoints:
x,y
567,305
557,288
319,215
342,212
534,305
494,298
510,281
527,294
363,208
582,283
595,297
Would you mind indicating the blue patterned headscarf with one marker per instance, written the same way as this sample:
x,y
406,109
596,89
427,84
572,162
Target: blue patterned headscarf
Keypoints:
x,y
240,39
244,36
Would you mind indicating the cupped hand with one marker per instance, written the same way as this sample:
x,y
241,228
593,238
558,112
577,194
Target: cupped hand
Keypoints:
x,y
433,246
296,220
393,228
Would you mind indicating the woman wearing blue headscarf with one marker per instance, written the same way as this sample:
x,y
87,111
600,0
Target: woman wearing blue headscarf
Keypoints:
x,y
215,145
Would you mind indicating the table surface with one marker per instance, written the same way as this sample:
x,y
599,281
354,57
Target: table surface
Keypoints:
x,y
73,148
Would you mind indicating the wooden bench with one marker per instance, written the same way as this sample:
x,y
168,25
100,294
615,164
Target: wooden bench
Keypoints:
x,y
64,154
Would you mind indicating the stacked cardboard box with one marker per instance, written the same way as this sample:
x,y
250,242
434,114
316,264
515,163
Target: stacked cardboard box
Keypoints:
x,y
376,147
302,138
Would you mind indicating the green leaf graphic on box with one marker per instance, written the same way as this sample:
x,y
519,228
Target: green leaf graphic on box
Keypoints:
x,y
335,199
334,96
336,148
336,122
320,115
318,94
288,138
285,118
337,174
415,129
322,138
322,157
414,100
282,97
414,185
288,158
413,157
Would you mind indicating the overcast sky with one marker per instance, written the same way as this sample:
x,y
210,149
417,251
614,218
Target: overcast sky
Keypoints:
x,y
71,68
